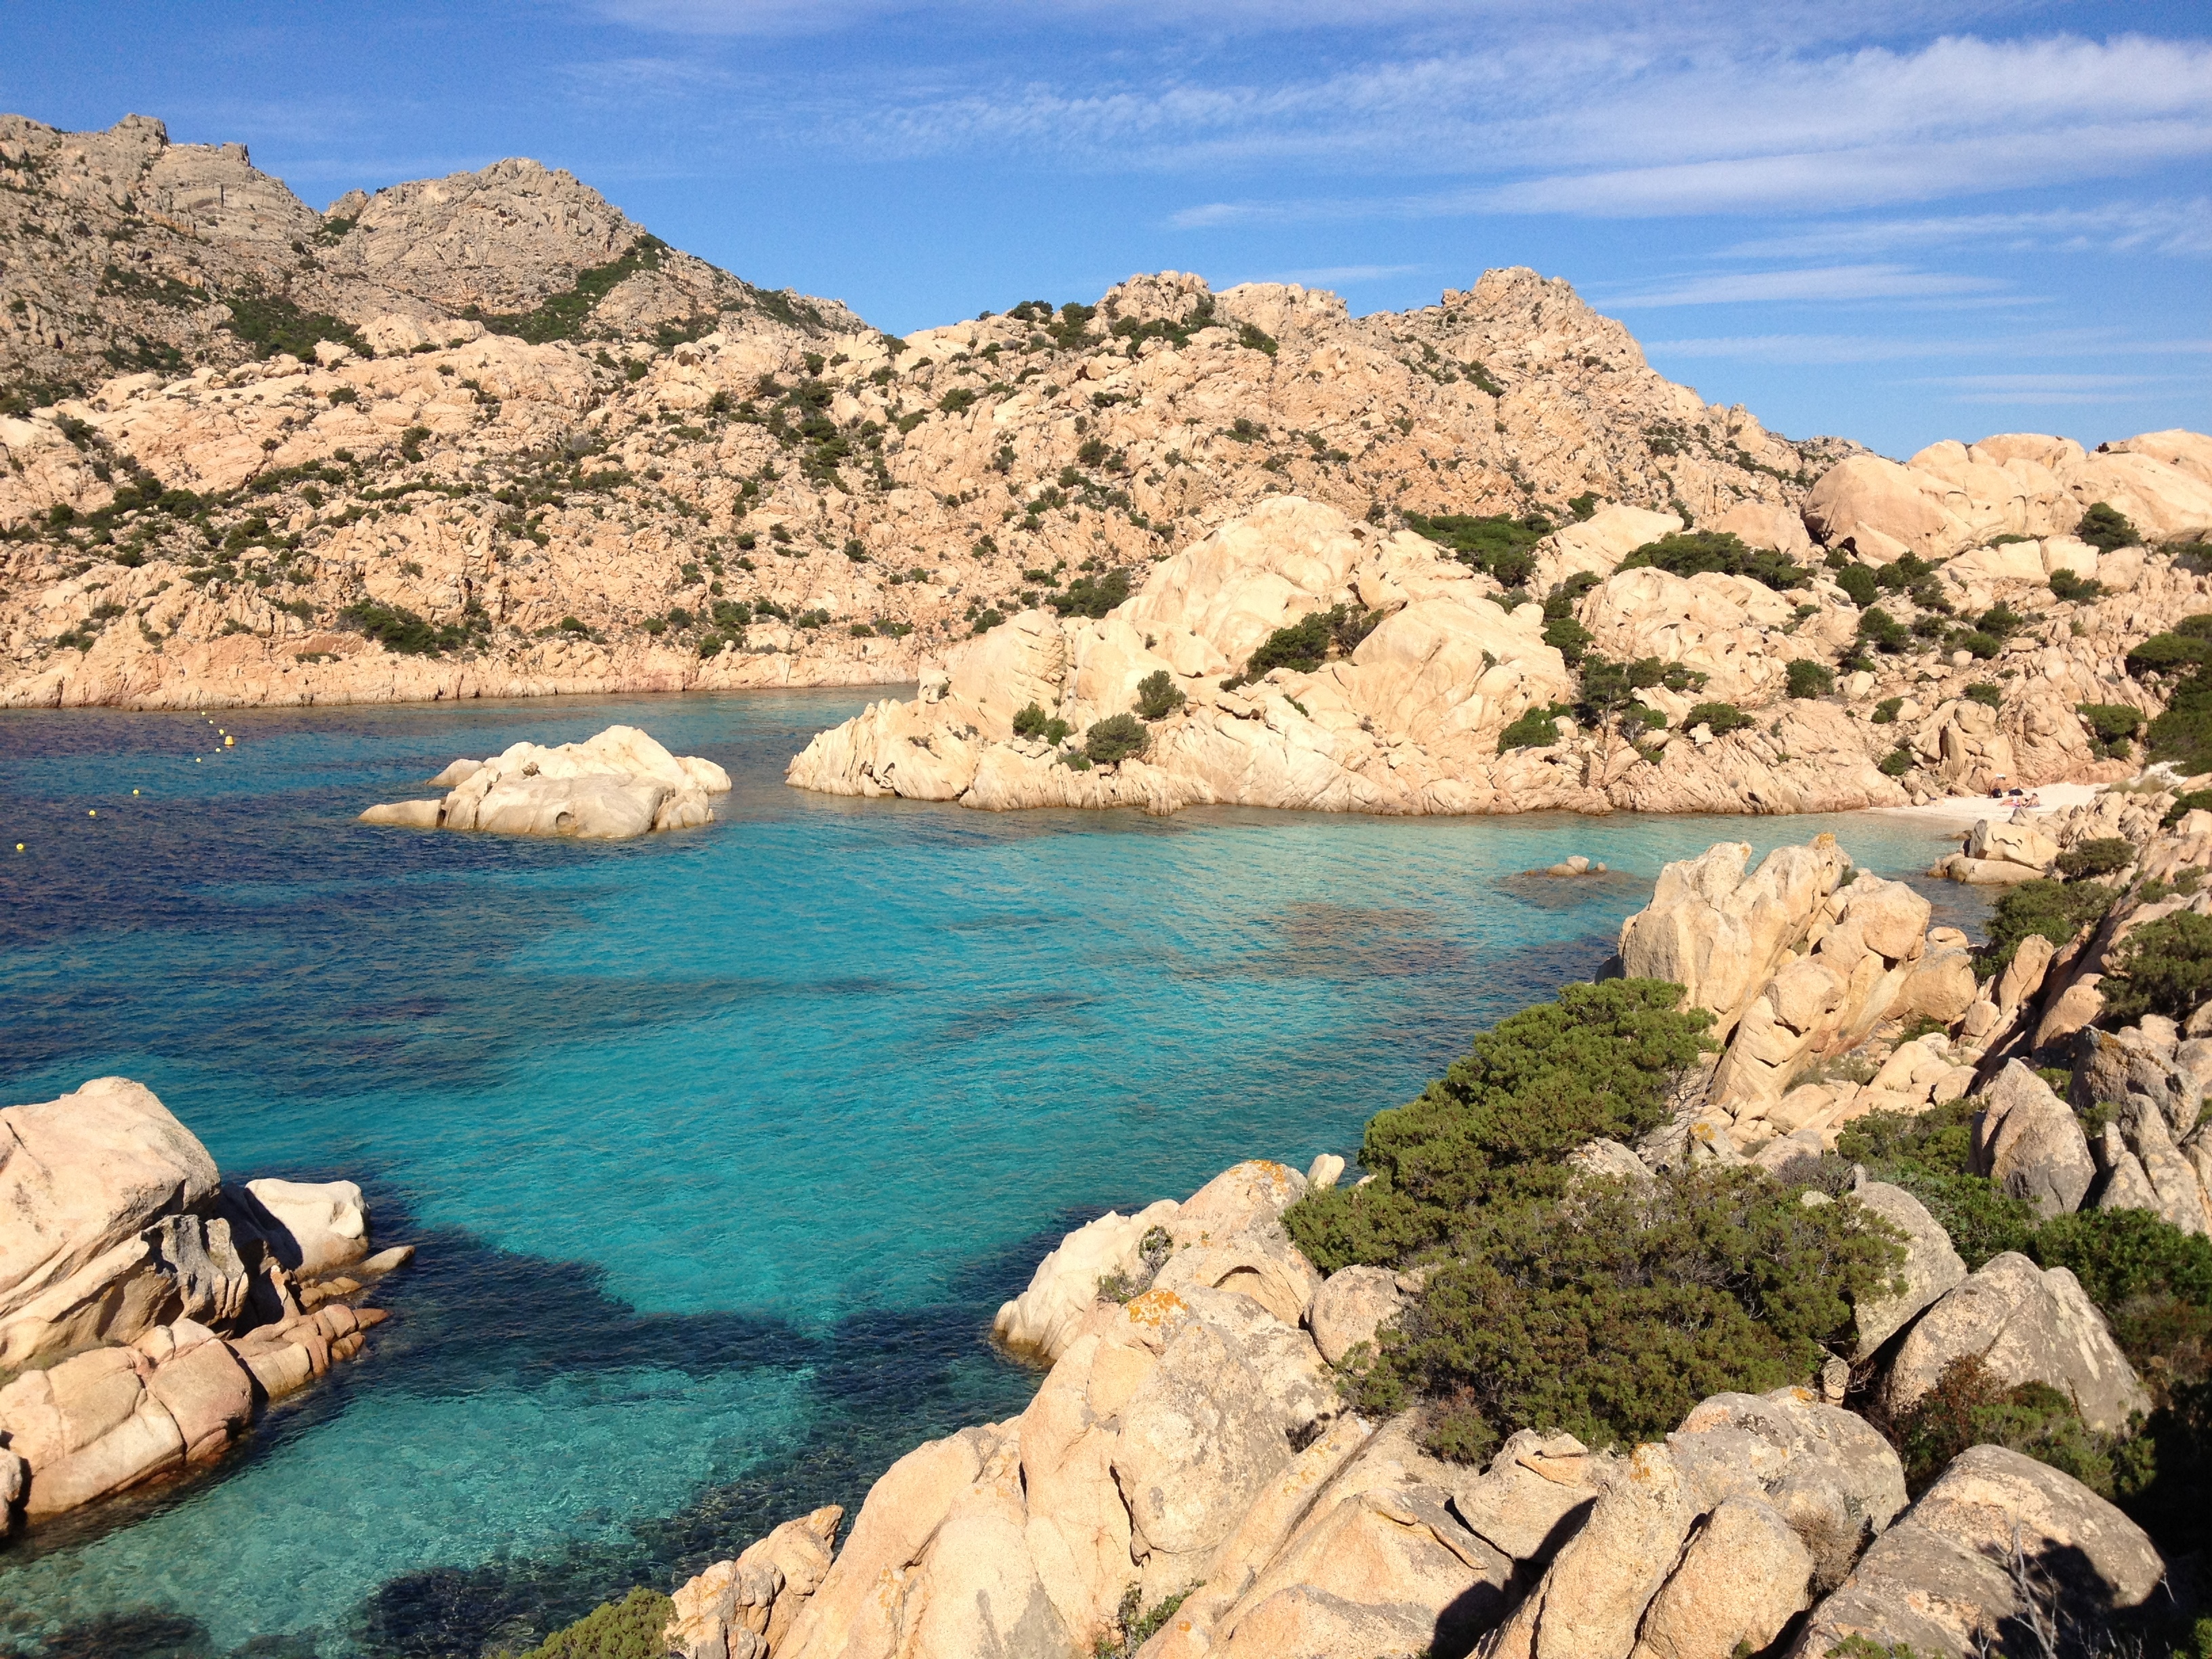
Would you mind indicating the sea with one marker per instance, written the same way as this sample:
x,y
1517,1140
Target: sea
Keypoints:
x,y
719,1149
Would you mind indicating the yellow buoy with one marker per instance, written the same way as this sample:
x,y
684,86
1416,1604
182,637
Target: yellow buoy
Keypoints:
x,y
227,742
134,791
19,846
92,814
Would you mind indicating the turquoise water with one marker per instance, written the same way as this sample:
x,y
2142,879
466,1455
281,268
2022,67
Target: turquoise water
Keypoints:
x,y
721,1148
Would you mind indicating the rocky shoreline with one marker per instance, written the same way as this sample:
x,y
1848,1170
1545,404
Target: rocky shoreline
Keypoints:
x,y
149,1311
1195,1475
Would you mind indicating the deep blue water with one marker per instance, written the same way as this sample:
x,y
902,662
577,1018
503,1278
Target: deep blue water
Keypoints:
x,y
722,1147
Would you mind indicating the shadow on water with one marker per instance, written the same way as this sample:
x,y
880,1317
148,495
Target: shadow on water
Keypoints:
x,y
878,1383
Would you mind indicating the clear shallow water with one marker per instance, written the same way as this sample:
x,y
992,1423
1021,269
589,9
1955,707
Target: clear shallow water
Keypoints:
x,y
722,1147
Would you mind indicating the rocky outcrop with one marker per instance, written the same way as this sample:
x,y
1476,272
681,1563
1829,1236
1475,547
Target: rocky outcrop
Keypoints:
x,y
2031,1144
1226,1236
149,1309
2027,1324
1186,1462
743,1608
1800,961
465,475
1951,497
1932,1267
86,1182
614,787
1998,1540
1998,853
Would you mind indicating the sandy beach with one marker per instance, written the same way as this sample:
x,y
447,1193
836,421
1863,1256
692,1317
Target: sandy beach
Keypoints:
x,y
1966,810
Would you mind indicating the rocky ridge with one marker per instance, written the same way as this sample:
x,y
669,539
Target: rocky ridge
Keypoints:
x,y
122,250
149,1311
502,445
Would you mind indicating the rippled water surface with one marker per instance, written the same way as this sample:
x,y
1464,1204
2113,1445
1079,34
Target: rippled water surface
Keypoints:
x,y
721,1148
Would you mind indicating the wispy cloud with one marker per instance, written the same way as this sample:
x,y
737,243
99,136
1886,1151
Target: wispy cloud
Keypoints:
x,y
1683,126
1814,350
2178,227
1828,283
1337,276
2050,388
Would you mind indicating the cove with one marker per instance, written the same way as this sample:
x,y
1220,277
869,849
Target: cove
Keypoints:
x,y
720,1147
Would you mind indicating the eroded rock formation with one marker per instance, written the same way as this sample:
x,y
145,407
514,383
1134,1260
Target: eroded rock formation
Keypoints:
x,y
146,1310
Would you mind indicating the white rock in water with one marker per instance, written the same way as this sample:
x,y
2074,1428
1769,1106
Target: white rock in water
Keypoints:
x,y
325,1223
614,786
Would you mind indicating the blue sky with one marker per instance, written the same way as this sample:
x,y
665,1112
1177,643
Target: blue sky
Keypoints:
x,y
1897,222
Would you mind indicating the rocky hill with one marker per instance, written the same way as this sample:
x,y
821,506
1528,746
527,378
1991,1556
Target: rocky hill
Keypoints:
x,y
1298,658
121,252
483,436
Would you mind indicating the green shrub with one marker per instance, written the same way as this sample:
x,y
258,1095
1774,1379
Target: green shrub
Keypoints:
x,y
1117,738
1884,712
2067,585
1722,717
1858,584
1598,1060
1690,553
1647,671
1882,631
1136,1625
1157,696
1568,637
2167,653
2112,726
1977,644
1092,595
1970,1407
2164,967
2193,800
1985,694
1253,339
1303,647
2056,909
1537,728
1498,545
1897,762
1611,1316
1809,678
1929,1154
2106,528
2000,620
271,324
987,619
396,629
628,1629
2107,855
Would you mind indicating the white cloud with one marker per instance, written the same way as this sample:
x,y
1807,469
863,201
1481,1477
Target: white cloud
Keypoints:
x,y
1827,283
